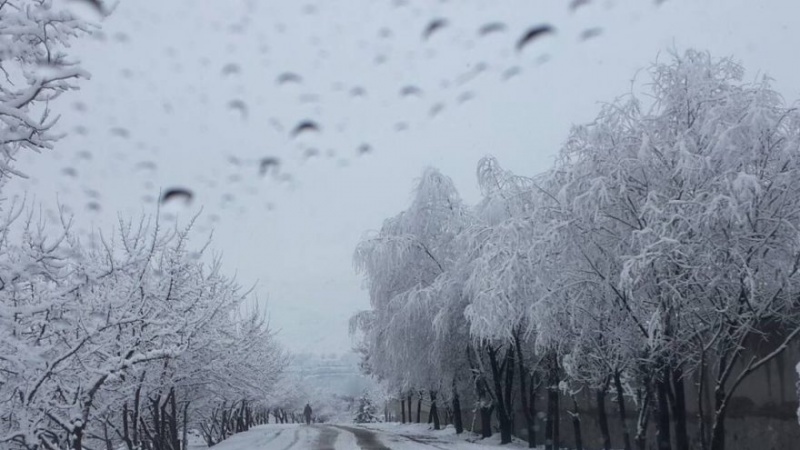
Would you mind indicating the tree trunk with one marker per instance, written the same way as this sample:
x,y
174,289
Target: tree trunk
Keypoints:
x,y
185,426
556,419
663,429
155,409
485,407
486,421
501,411
419,408
481,391
434,411
526,407
509,390
77,441
548,421
173,420
552,435
576,425
532,408
679,410
602,416
457,421
526,410
137,397
626,436
720,408
126,434
701,404
718,429
403,410
106,438
147,437
644,414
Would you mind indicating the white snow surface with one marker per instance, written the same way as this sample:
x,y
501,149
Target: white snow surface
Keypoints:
x,y
423,436
393,436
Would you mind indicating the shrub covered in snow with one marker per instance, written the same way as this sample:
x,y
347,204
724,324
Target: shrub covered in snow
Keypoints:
x,y
366,412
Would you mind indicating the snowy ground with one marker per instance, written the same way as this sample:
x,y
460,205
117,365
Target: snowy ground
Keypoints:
x,y
389,436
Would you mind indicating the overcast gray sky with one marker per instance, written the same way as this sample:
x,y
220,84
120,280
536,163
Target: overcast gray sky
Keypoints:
x,y
157,114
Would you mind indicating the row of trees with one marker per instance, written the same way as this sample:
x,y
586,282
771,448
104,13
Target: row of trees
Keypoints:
x,y
125,339
122,340
662,248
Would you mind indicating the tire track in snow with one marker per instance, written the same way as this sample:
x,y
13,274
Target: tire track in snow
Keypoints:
x,y
365,439
273,437
294,440
327,438
421,440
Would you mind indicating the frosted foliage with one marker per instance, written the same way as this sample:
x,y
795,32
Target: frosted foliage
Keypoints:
x,y
400,263
451,332
509,252
661,242
501,281
685,213
84,324
505,195
34,36
412,247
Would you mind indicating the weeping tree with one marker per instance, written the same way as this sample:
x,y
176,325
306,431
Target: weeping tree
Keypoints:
x,y
660,249
691,201
500,286
399,263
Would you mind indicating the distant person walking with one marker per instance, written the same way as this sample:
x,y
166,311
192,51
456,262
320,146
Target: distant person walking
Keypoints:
x,y
307,413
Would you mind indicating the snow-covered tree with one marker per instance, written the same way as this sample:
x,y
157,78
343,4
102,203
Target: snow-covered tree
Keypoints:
x,y
660,249
103,342
677,212
366,411
500,285
411,250
116,339
34,38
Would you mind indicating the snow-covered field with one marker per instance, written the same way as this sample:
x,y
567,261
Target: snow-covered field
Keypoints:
x,y
384,436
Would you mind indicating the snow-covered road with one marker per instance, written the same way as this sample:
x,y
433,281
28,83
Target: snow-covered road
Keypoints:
x,y
346,437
